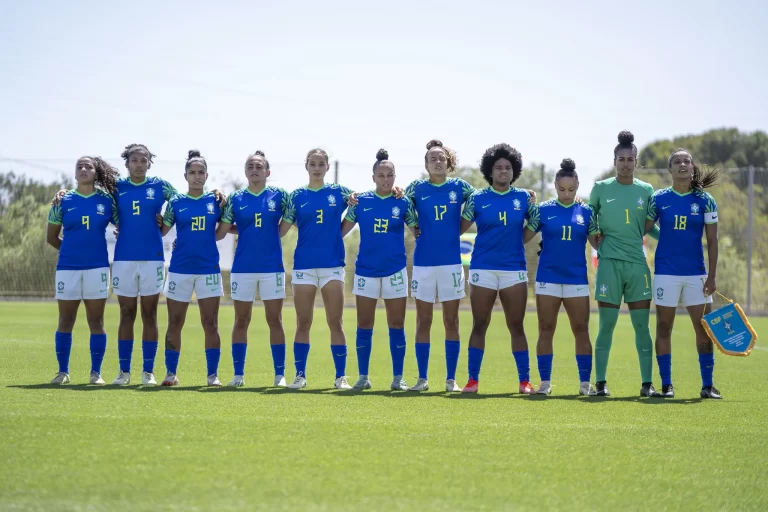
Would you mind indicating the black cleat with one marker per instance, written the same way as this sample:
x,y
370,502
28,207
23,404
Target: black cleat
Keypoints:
x,y
711,392
649,391
667,391
601,389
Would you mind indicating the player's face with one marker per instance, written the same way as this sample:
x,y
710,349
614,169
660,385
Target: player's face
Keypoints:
x,y
625,163
681,166
437,163
196,176
256,169
384,178
85,172
502,172
566,188
317,166
138,164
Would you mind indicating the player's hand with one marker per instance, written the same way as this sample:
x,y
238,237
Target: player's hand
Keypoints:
x,y
116,232
398,192
173,245
56,201
352,200
579,200
159,220
710,286
532,198
599,239
416,232
220,197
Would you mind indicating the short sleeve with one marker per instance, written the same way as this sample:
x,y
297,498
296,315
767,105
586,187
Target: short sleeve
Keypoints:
x,y
289,210
115,218
466,189
592,227
534,218
284,202
410,191
168,190
469,209
345,193
169,219
594,199
532,208
351,215
228,215
710,210
54,214
652,214
410,215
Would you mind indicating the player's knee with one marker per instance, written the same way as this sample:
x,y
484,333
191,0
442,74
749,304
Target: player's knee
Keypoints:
x,y
366,322
480,324
66,323
243,321
210,324
451,324
547,327
704,346
335,325
516,328
663,328
128,313
273,321
148,316
96,325
579,327
393,324
303,323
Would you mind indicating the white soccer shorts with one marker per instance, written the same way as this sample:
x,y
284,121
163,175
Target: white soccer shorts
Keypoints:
x,y
441,283
247,287
134,278
82,284
563,291
317,277
669,291
390,287
497,279
181,286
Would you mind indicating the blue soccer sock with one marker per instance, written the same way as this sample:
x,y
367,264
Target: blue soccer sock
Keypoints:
x,y
363,343
397,350
149,351
584,364
452,350
63,345
523,365
238,357
212,356
422,358
665,368
171,361
300,354
707,367
474,362
545,366
278,358
124,353
339,353
98,347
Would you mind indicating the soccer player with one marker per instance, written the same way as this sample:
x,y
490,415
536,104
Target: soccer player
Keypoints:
x,y
621,206
82,271
561,277
194,267
380,267
257,271
684,212
498,259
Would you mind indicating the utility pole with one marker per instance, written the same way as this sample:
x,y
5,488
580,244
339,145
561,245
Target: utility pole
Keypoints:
x,y
543,185
336,171
750,205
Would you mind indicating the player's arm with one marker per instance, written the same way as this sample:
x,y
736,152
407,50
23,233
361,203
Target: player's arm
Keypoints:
x,y
652,215
467,189
593,231
349,221
594,200
349,196
468,215
169,219
54,226
168,190
533,225
710,228
412,218
226,221
288,204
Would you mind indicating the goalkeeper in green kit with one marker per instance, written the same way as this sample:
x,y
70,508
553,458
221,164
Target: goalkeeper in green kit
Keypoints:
x,y
621,204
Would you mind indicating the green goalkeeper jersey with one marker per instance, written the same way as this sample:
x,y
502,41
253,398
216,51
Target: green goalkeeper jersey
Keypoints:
x,y
621,213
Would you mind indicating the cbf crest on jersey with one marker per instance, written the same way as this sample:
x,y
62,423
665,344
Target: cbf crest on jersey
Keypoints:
x,y
452,196
150,193
331,200
395,212
640,203
516,204
271,205
694,209
100,209
579,219
210,207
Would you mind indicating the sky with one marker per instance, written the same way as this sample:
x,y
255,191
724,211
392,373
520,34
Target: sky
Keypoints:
x,y
554,79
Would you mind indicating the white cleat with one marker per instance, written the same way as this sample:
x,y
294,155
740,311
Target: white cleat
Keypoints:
x,y
213,381
298,383
61,378
170,380
585,388
123,379
148,379
237,382
545,388
451,386
362,383
280,382
398,384
341,383
96,379
421,385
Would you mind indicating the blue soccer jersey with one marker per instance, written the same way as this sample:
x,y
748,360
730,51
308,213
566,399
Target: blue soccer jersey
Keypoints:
x,y
318,214
138,205
681,219
257,217
84,220
195,219
382,221
439,212
564,232
500,219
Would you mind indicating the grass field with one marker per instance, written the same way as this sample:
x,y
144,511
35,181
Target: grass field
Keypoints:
x,y
82,447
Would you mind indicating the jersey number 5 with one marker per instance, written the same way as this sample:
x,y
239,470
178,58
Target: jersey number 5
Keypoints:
x,y
136,208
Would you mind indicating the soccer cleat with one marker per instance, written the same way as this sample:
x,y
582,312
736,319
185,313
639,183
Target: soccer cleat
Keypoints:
x,y
61,378
526,388
421,385
585,388
398,384
362,383
451,386
123,379
170,380
649,391
298,383
602,389
280,382
237,382
148,379
341,383
471,386
667,391
711,392
213,381
545,388
96,379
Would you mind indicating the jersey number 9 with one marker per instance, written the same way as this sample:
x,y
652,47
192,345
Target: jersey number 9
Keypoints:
x,y
87,221
381,225
198,223
136,208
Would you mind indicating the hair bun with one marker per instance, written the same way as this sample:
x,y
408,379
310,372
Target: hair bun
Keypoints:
x,y
626,138
259,152
382,155
194,153
568,165
434,143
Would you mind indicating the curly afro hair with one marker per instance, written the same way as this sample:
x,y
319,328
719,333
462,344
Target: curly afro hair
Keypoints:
x,y
494,154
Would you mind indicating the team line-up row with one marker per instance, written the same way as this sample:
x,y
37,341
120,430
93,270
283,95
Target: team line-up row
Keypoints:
x,y
621,210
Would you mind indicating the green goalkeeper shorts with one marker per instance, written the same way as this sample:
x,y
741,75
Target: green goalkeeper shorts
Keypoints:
x,y
617,279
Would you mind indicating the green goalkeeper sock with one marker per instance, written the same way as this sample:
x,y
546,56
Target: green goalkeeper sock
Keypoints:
x,y
643,342
608,318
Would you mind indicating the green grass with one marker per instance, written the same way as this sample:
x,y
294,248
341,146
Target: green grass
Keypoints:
x,y
81,447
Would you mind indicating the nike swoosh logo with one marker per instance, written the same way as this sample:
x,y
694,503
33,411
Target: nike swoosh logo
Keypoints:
x,y
336,273
486,205
102,291
305,204
401,289
714,217
183,209
579,289
70,209
646,349
426,197
400,346
609,200
366,209
646,293
665,207
123,193
550,218
244,207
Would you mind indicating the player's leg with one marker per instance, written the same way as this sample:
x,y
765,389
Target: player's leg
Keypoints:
x,y
304,304
608,290
149,335
698,305
209,319
366,315
396,322
577,308
243,312
667,291
333,301
637,294
177,315
514,300
424,290
450,290
547,310
63,339
94,312
273,312
482,297
128,310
